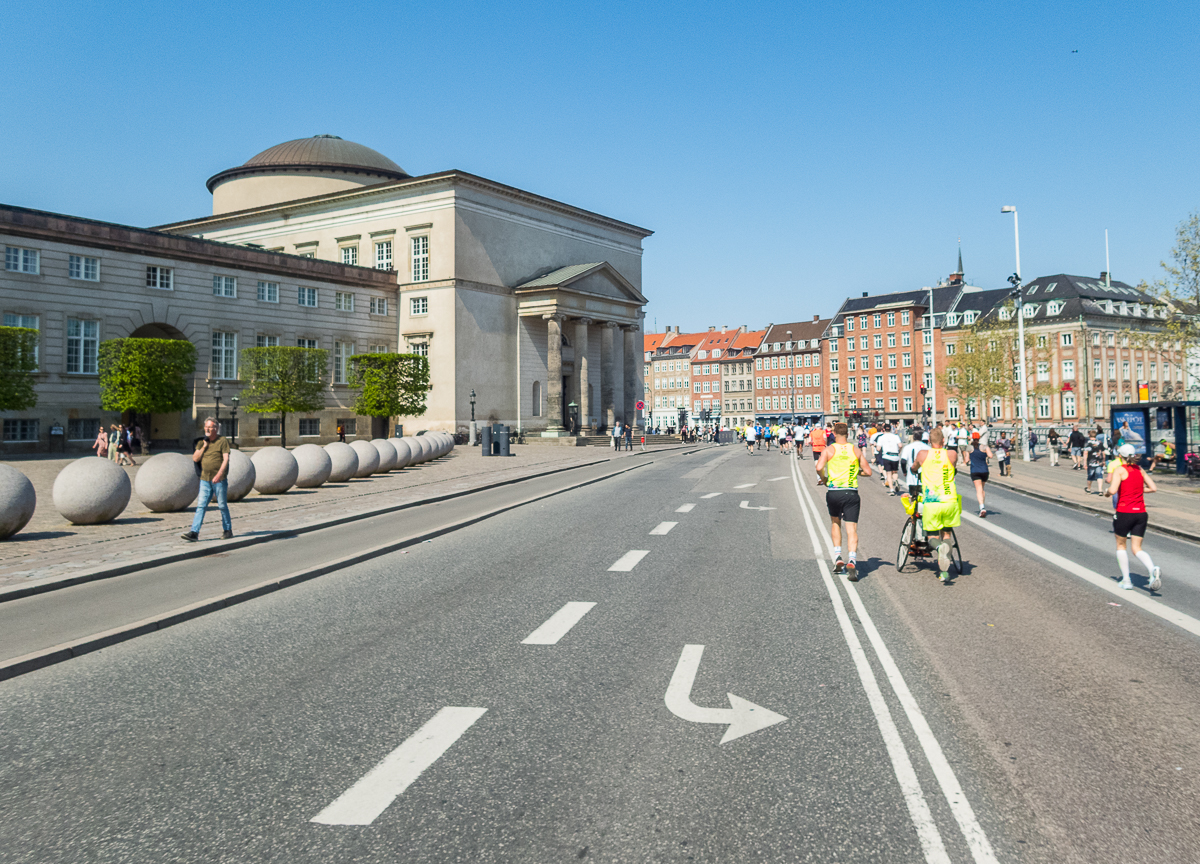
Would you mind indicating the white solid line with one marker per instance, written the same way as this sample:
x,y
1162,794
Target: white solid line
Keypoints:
x,y
745,486
910,787
685,508
711,495
558,625
362,803
977,841
629,560
1133,598
663,527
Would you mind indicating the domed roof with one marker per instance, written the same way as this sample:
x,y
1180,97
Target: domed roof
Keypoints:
x,y
320,151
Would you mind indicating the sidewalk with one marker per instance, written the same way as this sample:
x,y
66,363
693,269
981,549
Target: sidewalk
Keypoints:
x,y
49,546
1175,506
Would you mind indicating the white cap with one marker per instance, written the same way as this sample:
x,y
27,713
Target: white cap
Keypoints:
x,y
1125,451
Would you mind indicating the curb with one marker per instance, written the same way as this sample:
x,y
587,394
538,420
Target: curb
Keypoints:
x,y
87,644
1095,511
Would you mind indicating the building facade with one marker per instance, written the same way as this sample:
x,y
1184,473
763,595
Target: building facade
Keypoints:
x,y
737,379
789,376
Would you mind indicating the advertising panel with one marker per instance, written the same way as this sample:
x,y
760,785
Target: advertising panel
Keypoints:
x,y
1129,427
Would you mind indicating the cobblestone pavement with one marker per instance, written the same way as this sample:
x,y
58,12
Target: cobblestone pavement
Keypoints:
x,y
50,546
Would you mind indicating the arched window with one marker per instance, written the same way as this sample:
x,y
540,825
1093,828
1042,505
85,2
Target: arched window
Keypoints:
x,y
537,398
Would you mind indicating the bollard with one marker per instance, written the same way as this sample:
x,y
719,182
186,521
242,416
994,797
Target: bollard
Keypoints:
x,y
485,438
502,443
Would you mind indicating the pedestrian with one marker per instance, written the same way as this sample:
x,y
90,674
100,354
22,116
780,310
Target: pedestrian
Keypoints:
x,y
1052,445
212,455
135,439
616,436
629,436
838,469
124,456
941,505
1004,454
1033,442
1094,455
748,436
978,461
341,432
1076,441
1129,485
101,444
113,440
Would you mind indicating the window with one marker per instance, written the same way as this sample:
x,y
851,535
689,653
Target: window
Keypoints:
x,y
878,361
697,386
310,427
995,407
342,352
891,319
420,349
891,361
21,430
30,321
224,355
343,301
268,292
907,380
969,318
892,384
537,399
383,255
908,403
420,259
81,267
306,296
862,343
349,425
833,364
878,383
1095,338
1043,371
83,429
1043,406
22,260
952,409
951,348
224,286
306,343
349,256
418,306
906,359
268,427
1096,370
1109,339
264,341
759,400
926,337
893,404
775,362
159,277
1125,370
951,319
928,379
1068,369
1141,371
1041,341
83,339
1053,308
1068,404
928,358
833,345
891,339
1153,371
1005,313
878,340
876,318
379,306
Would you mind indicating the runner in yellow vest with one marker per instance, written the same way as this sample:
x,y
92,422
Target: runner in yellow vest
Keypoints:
x,y
839,468
941,503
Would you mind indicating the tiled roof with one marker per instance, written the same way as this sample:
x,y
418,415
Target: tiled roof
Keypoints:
x,y
1064,298
801,331
562,274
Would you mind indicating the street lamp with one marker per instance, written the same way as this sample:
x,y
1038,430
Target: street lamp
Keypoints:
x,y
215,386
573,413
236,401
793,402
1018,292
472,441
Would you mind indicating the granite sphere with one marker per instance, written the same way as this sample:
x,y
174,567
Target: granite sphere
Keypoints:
x,y
368,458
241,476
275,470
17,501
344,459
426,448
91,490
314,463
404,454
167,482
414,449
387,455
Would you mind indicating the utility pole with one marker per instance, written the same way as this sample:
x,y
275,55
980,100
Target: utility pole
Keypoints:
x,y
1019,293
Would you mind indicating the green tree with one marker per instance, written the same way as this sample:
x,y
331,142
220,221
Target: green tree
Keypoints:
x,y
18,362
390,385
284,380
146,376
1176,336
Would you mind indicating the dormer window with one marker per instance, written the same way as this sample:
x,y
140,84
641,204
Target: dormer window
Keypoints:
x,y
703,355
951,319
777,347
1032,289
716,353
969,317
1137,310
1006,313
1029,310
1053,307
1108,306
1124,309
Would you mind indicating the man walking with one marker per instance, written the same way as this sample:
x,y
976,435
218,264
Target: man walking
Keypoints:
x,y
1076,442
629,437
212,455
839,468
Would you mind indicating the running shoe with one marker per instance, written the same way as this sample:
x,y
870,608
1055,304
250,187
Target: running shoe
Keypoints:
x,y
1155,578
945,577
1126,584
839,566
852,571
944,558
982,513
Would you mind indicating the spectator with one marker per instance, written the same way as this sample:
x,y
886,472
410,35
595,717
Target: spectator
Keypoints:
x,y
212,455
101,445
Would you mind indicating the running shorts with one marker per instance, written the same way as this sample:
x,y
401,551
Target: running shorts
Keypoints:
x,y
979,475
843,504
937,515
1125,524
891,464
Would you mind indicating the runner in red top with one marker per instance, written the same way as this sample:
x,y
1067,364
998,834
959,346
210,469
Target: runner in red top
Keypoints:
x,y
1129,484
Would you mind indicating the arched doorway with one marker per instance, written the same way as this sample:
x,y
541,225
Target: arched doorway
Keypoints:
x,y
160,431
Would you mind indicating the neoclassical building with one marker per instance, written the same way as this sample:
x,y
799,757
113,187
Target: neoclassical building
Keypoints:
x,y
532,304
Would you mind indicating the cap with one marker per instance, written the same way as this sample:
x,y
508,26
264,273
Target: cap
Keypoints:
x,y
1125,451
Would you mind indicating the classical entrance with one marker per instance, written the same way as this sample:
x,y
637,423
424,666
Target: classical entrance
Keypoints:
x,y
162,431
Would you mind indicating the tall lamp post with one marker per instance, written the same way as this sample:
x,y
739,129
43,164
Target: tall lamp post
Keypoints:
x,y
472,441
1019,293
793,379
236,400
215,386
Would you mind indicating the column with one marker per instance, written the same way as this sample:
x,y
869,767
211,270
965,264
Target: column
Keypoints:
x,y
608,380
581,374
633,378
554,394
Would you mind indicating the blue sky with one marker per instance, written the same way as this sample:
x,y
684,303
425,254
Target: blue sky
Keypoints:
x,y
786,155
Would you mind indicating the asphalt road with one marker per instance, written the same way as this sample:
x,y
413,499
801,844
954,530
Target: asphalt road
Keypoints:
x,y
400,710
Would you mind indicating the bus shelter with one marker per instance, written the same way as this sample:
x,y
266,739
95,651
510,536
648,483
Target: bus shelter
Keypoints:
x,y
1146,425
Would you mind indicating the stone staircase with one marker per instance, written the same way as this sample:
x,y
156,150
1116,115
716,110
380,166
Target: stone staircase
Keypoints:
x,y
606,440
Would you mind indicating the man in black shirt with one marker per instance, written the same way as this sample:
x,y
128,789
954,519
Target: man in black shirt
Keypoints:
x,y
1076,442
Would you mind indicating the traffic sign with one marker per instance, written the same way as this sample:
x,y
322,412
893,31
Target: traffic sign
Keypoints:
x,y
641,406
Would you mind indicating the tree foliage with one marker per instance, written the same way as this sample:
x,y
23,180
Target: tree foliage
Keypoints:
x,y
18,362
390,385
284,380
1178,335
146,376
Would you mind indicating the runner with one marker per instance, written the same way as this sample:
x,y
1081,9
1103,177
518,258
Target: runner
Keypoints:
x,y
942,505
877,454
818,439
1129,484
839,468
978,457
749,436
908,464
889,446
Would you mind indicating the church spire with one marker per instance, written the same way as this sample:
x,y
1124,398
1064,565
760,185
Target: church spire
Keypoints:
x,y
960,267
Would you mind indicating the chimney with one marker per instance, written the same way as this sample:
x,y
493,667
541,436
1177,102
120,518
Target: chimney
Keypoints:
x,y
865,294
1103,275
816,318
712,329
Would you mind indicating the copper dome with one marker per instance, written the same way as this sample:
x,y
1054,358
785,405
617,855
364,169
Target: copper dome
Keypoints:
x,y
322,152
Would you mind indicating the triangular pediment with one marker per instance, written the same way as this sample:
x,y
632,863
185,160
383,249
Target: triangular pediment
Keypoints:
x,y
600,279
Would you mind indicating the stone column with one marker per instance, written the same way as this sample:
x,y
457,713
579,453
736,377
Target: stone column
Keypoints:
x,y
581,374
608,377
554,393
633,380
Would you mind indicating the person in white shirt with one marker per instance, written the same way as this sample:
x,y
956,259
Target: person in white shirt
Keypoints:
x,y
888,443
750,439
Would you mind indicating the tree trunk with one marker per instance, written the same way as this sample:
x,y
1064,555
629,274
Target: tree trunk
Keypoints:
x,y
283,430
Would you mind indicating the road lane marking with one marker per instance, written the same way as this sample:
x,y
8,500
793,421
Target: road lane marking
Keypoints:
x,y
745,486
629,560
685,508
743,718
362,803
663,527
745,505
711,495
558,624
775,479
1134,598
964,814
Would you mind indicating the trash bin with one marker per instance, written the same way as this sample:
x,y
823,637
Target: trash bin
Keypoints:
x,y
502,443
485,439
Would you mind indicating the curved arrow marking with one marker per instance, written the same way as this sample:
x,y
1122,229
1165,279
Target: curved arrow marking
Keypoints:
x,y
745,505
743,717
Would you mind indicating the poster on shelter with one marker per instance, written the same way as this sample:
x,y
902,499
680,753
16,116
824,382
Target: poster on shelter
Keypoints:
x,y
1129,427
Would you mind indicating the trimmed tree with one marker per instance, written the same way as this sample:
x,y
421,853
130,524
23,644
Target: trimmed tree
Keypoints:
x,y
390,385
146,376
284,380
18,362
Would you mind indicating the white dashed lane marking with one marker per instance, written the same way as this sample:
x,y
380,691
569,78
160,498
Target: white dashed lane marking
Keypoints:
x,y
558,625
629,560
663,527
711,495
685,508
745,486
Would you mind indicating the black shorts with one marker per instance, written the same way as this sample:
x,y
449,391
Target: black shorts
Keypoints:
x,y
843,504
979,475
1125,524
891,464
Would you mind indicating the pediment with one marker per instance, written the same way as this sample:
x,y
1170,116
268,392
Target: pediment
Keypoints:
x,y
600,279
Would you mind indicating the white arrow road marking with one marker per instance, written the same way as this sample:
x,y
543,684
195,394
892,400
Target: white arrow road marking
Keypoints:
x,y
773,479
629,560
745,505
558,625
685,508
743,718
663,527
745,486
711,495
362,803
